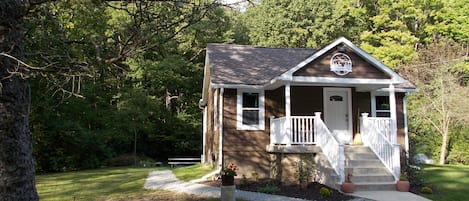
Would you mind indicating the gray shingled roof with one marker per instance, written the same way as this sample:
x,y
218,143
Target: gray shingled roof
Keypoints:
x,y
250,65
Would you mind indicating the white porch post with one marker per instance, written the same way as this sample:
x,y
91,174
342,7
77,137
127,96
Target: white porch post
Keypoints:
x,y
287,100
392,103
288,112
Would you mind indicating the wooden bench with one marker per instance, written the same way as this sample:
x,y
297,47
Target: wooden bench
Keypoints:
x,y
176,161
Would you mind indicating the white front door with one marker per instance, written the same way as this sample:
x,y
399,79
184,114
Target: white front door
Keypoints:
x,y
337,110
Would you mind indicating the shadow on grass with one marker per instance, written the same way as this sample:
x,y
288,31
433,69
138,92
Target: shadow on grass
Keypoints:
x,y
450,181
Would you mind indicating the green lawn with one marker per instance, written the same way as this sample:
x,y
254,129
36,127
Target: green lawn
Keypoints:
x,y
113,184
192,172
91,184
450,181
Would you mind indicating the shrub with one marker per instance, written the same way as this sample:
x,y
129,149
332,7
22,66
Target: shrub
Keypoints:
x,y
426,190
324,192
122,160
269,188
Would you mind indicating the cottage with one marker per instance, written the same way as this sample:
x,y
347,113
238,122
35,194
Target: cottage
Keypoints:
x,y
332,111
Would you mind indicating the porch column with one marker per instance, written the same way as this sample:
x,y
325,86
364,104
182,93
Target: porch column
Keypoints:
x,y
392,103
288,122
287,100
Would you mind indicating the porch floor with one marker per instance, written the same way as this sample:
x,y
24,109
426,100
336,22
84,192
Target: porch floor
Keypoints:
x,y
293,149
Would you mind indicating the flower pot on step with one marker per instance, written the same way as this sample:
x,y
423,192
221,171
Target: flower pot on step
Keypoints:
x,y
347,187
403,186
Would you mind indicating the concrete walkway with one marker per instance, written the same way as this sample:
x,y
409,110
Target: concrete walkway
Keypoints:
x,y
389,196
166,180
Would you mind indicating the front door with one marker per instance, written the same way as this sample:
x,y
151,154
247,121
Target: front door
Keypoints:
x,y
337,110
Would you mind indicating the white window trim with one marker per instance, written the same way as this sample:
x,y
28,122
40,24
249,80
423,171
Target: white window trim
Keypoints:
x,y
373,102
239,110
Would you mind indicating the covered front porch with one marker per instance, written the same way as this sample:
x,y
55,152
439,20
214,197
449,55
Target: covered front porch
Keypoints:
x,y
309,134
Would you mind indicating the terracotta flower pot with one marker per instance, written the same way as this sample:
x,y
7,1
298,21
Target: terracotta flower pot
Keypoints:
x,y
347,187
403,186
227,180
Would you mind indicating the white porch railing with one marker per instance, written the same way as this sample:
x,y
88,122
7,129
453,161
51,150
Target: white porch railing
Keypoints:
x,y
292,130
383,125
303,130
375,137
330,147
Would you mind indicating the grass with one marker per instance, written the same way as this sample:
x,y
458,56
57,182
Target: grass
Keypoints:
x,y
91,184
192,172
114,184
450,181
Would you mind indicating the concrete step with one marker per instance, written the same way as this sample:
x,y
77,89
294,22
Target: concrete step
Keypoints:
x,y
364,163
360,155
367,170
374,186
357,149
372,178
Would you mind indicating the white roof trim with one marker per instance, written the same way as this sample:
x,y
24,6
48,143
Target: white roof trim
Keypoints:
x,y
333,80
238,86
394,76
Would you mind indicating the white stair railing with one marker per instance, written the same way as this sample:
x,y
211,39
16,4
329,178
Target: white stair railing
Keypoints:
x,y
387,151
333,150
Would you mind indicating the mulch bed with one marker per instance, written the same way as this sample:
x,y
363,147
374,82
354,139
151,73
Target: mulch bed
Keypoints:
x,y
311,192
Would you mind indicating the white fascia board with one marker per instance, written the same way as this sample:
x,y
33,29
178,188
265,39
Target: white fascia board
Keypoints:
x,y
238,86
332,80
206,83
289,74
394,76
403,90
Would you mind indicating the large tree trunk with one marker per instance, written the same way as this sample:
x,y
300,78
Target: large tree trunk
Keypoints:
x,y
16,161
443,149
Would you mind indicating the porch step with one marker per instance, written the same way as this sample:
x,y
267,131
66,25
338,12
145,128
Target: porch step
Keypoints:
x,y
375,186
368,173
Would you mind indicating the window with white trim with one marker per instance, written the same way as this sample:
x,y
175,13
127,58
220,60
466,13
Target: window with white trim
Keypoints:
x,y
382,107
250,110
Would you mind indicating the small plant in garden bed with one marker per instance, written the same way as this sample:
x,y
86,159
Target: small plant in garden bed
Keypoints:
x,y
426,190
325,192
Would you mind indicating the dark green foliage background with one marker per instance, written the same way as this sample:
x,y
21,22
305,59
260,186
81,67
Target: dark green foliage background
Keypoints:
x,y
127,65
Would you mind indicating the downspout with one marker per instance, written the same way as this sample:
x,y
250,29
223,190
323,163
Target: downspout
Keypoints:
x,y
220,130
407,154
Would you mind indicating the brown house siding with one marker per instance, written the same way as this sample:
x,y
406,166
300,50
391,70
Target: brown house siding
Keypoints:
x,y
245,148
400,120
212,135
305,101
360,68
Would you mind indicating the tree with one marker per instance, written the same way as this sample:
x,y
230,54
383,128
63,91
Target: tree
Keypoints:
x,y
441,99
285,23
74,50
16,161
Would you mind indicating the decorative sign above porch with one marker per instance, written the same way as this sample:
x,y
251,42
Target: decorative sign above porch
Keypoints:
x,y
341,64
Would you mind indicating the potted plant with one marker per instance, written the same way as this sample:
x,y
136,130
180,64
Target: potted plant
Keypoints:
x,y
403,184
227,175
347,186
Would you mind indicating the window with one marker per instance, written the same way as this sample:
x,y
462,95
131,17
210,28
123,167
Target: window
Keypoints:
x,y
382,106
250,107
